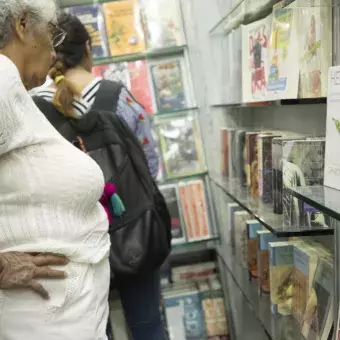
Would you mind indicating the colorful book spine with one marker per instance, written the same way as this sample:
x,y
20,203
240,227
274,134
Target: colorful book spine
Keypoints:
x,y
224,151
240,236
186,208
253,226
124,27
232,159
281,258
240,144
251,162
93,19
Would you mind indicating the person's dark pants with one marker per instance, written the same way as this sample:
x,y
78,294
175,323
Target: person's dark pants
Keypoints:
x,y
140,299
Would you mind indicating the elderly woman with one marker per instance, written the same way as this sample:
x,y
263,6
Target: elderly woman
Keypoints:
x,y
49,193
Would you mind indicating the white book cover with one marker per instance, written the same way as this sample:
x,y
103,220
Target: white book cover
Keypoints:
x,y
164,23
315,42
255,60
332,159
283,79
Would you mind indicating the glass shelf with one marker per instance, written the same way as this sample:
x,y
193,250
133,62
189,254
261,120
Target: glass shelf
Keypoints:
x,y
323,198
179,178
172,113
283,102
276,327
71,3
264,212
194,243
148,54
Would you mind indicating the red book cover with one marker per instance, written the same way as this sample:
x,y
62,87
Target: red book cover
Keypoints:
x,y
99,71
140,86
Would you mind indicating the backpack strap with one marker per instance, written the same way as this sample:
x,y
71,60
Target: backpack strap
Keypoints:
x,y
107,96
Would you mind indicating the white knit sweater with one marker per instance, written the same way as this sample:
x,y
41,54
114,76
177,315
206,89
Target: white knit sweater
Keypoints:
x,y
49,193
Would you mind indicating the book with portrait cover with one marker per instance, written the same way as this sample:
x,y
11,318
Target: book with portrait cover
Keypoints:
x,y
124,27
163,23
319,317
171,196
302,165
93,19
305,264
315,40
281,259
181,146
169,84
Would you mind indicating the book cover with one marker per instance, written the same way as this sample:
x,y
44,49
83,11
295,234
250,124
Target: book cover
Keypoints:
x,y
332,161
208,308
283,78
318,317
265,167
188,307
224,138
255,59
305,264
171,196
124,28
186,208
240,237
195,213
281,261
253,226
194,272
93,19
302,165
198,197
231,209
169,85
140,85
232,159
315,41
181,146
164,23
238,150
264,237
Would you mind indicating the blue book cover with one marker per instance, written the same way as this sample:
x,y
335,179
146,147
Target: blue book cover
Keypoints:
x,y
189,305
92,17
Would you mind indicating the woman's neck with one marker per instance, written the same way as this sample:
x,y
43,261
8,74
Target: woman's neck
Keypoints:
x,y
80,77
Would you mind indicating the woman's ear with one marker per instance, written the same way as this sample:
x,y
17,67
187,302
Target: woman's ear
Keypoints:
x,y
21,27
88,55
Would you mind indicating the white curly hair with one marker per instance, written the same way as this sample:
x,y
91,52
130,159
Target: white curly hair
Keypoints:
x,y
39,12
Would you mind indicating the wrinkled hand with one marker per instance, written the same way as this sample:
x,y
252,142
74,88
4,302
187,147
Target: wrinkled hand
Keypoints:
x,y
20,270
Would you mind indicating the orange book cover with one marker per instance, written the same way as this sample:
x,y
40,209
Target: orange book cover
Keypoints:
x,y
124,28
183,191
202,208
194,211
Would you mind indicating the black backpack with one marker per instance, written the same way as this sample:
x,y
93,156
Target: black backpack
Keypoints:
x,y
141,238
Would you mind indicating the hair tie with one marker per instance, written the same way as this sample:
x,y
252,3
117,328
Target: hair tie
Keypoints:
x,y
58,79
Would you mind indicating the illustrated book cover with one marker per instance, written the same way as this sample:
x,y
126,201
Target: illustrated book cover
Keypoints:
x,y
240,237
186,208
253,226
164,23
283,78
255,59
93,19
124,27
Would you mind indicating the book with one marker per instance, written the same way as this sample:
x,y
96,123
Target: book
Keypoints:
x,y
305,264
255,59
194,272
232,159
281,259
315,41
171,196
303,165
251,161
140,86
117,72
264,237
124,27
240,237
265,167
185,315
224,151
181,147
283,51
164,24
199,210
319,317
332,161
238,155
170,85
92,18
231,209
186,208
253,226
